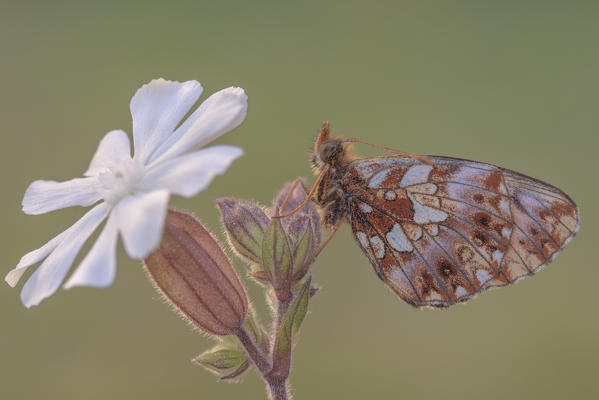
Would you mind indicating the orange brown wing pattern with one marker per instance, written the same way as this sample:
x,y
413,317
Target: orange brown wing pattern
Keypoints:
x,y
438,235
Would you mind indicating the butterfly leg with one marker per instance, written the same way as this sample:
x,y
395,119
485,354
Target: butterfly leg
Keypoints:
x,y
293,186
308,196
334,230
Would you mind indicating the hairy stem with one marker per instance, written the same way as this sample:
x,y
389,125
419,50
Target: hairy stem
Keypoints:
x,y
278,391
254,352
277,388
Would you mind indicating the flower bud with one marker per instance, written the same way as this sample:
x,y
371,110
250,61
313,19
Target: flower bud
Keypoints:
x,y
245,224
196,276
303,228
295,222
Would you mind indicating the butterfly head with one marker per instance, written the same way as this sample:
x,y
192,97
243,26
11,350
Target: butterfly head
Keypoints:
x,y
328,150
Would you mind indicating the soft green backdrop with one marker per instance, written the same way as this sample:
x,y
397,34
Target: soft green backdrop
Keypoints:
x,y
514,83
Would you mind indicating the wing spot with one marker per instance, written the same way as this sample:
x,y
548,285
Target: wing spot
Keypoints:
x,y
480,239
377,246
497,256
378,178
465,254
414,175
504,206
366,208
414,232
390,195
483,219
362,238
460,291
432,229
424,214
445,268
479,198
482,275
398,240
427,282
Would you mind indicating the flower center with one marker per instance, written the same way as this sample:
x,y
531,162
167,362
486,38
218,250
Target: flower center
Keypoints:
x,y
119,179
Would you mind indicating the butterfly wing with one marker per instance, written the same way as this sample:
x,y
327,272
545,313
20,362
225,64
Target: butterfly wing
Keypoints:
x,y
439,234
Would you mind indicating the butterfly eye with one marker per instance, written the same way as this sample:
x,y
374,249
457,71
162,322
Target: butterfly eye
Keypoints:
x,y
330,150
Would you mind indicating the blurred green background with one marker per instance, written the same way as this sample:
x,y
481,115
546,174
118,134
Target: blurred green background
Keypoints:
x,y
514,83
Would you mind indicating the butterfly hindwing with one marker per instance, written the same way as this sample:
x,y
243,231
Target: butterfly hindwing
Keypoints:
x,y
439,234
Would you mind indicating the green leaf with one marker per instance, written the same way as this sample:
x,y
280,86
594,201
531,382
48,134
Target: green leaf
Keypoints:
x,y
223,359
258,274
288,329
255,329
276,254
236,373
300,305
303,253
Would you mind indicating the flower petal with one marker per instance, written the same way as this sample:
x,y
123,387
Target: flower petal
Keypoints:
x,y
98,268
45,196
157,108
140,218
220,113
13,276
191,173
47,278
114,146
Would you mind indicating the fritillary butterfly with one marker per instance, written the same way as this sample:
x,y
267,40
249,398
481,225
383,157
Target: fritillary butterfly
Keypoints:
x,y
439,230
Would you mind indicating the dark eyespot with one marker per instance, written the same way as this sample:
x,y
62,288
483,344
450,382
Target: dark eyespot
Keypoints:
x,y
483,221
445,268
480,239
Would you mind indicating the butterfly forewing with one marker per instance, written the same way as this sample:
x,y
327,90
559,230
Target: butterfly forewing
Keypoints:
x,y
439,234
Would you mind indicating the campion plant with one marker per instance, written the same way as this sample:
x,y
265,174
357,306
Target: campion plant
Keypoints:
x,y
130,193
194,274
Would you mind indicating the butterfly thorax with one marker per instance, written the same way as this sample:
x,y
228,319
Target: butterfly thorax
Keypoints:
x,y
332,157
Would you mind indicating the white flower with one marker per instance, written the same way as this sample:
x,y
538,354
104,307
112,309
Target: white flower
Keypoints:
x,y
132,192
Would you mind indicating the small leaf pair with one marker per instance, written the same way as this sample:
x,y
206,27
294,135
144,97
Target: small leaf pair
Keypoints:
x,y
227,359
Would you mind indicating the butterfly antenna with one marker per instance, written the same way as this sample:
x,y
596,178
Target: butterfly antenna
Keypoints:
x,y
418,157
308,196
323,136
293,186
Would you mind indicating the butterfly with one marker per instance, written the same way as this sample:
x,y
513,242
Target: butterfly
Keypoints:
x,y
439,230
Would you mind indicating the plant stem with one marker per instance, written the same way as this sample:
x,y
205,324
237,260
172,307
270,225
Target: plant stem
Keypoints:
x,y
254,352
278,391
282,307
278,375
